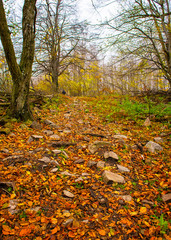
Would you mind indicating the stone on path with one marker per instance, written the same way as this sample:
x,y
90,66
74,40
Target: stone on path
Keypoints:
x,y
66,173
55,162
37,137
13,205
91,164
56,151
122,168
80,179
119,136
166,197
96,145
48,132
153,147
110,177
50,123
55,137
147,122
100,164
4,150
45,160
68,194
126,198
158,140
79,161
66,131
111,154
36,125
34,137
68,222
54,170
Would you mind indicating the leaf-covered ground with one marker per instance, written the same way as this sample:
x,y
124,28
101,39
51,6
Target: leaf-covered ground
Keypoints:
x,y
34,203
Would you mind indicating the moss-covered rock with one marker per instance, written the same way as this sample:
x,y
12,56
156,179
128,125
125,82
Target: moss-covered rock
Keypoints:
x,y
5,131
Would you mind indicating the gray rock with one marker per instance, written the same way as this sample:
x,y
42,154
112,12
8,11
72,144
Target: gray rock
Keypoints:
x,y
100,164
36,137
85,221
80,179
111,154
56,151
80,121
158,140
122,168
4,150
55,162
55,137
50,123
91,164
66,131
85,174
54,170
79,161
65,154
12,206
147,122
23,126
36,125
5,131
126,198
68,222
96,145
12,135
166,197
66,173
67,115
134,147
119,136
48,132
110,177
38,149
153,147
68,194
45,160
35,209
148,202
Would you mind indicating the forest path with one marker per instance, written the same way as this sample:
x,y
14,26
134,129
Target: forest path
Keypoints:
x,y
71,175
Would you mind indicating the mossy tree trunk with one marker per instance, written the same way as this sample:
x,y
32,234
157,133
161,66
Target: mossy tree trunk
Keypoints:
x,y
21,73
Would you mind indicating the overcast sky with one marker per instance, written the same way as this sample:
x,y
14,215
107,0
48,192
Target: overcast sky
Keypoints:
x,y
86,10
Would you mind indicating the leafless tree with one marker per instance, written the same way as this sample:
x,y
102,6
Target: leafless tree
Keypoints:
x,y
58,35
144,31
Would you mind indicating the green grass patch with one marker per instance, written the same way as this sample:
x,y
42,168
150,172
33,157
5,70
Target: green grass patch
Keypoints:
x,y
112,108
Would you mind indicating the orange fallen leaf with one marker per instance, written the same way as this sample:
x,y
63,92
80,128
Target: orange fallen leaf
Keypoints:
x,y
54,220
38,238
44,220
76,224
30,203
71,234
102,232
7,230
55,230
24,232
143,210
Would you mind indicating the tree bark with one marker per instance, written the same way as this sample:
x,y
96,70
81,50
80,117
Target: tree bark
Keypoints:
x,y
21,73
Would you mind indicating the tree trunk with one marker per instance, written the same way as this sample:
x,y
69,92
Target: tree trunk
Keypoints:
x,y
21,74
55,75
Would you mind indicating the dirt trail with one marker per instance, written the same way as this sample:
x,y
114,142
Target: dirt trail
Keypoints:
x,y
53,184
